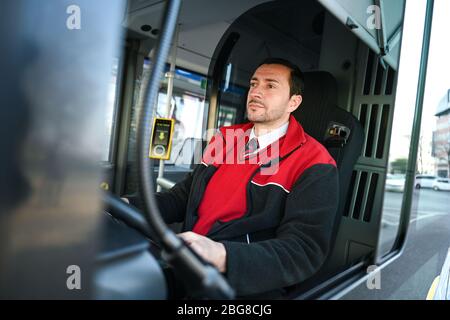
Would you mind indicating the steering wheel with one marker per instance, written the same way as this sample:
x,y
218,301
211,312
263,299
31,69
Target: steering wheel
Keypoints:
x,y
128,214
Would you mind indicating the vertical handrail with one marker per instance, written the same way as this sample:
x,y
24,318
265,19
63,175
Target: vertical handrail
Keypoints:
x,y
170,79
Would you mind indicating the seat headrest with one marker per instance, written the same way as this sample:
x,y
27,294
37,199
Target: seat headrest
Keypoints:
x,y
320,95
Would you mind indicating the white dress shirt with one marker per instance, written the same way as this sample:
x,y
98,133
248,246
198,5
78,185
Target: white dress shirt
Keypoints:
x,y
269,137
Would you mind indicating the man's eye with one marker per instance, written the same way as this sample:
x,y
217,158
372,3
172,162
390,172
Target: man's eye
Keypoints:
x,y
271,86
252,84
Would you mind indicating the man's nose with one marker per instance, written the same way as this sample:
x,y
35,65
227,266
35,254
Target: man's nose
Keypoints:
x,y
255,92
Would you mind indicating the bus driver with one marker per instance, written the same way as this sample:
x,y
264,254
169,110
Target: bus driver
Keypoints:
x,y
263,231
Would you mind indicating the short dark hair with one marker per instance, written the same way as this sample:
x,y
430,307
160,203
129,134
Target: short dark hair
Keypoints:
x,y
297,81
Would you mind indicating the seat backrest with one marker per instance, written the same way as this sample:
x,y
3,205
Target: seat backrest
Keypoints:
x,y
340,132
318,114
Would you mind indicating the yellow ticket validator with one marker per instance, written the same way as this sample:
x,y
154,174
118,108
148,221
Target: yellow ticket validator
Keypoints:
x,y
161,140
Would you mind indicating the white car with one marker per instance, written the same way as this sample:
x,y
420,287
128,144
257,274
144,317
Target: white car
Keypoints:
x,y
395,182
441,184
424,181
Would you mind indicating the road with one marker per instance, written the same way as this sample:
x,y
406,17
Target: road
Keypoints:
x,y
411,275
428,206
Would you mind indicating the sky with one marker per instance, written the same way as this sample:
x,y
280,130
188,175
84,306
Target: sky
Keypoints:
x,y
438,74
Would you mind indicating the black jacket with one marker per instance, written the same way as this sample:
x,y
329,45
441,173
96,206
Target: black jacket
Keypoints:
x,y
284,236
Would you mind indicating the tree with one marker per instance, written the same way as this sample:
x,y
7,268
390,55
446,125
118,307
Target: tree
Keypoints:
x,y
399,166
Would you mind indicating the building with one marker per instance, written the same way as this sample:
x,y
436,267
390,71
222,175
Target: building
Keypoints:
x,y
441,137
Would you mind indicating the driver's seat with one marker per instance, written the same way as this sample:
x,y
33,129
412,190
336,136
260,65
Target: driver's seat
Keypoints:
x,y
343,136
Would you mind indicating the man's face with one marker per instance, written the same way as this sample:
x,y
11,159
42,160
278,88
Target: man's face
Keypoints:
x,y
268,99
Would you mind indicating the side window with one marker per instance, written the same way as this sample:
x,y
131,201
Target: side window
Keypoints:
x,y
429,226
233,96
227,116
402,125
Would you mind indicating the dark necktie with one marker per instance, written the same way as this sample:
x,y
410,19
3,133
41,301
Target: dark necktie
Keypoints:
x,y
251,146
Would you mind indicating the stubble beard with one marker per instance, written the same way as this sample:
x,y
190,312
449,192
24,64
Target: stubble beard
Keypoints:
x,y
265,117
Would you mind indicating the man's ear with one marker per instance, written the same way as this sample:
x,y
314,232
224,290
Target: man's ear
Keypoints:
x,y
294,102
